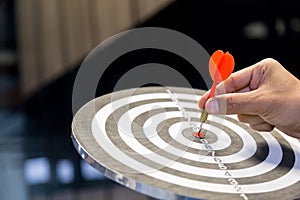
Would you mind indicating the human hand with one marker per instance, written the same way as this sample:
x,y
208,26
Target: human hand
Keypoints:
x,y
264,95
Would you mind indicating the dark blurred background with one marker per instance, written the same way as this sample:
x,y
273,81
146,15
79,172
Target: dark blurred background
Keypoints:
x,y
43,43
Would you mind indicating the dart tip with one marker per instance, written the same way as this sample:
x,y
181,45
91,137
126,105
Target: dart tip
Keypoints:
x,y
200,127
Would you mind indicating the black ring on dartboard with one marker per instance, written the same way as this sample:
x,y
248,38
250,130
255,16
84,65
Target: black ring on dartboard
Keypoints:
x,y
167,138
148,144
257,137
227,150
115,139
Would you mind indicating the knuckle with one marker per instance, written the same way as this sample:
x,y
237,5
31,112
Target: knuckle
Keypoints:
x,y
232,106
269,62
232,83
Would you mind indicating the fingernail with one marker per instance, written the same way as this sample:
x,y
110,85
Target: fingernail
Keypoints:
x,y
212,106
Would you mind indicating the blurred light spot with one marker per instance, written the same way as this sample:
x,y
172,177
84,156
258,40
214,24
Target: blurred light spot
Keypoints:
x,y
37,171
280,27
256,30
90,173
65,171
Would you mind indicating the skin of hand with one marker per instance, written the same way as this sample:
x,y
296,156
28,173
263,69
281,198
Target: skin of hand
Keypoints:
x,y
264,95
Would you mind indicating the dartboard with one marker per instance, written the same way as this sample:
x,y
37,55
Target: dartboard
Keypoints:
x,y
143,138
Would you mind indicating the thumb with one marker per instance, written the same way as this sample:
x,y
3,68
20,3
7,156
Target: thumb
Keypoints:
x,y
234,103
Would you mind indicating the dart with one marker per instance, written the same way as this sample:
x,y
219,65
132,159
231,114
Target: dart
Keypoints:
x,y
220,66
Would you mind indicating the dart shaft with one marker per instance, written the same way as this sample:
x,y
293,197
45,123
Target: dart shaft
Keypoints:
x,y
203,118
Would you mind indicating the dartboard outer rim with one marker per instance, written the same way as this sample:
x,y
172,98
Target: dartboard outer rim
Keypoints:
x,y
85,116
